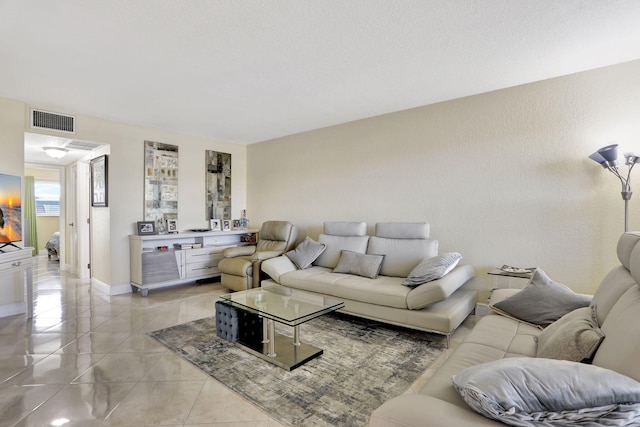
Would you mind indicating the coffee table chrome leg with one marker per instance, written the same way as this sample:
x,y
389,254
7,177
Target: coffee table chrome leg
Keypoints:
x,y
272,339
265,330
296,335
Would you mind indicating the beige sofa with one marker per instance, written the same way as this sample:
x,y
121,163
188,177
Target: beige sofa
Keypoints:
x,y
438,306
617,301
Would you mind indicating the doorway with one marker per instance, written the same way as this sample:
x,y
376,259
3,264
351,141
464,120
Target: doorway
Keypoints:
x,y
74,182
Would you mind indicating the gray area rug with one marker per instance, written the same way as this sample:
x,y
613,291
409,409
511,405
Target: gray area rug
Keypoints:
x,y
363,365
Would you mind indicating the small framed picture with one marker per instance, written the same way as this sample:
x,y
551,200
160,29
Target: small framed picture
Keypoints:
x,y
226,225
214,225
99,190
172,225
236,224
146,228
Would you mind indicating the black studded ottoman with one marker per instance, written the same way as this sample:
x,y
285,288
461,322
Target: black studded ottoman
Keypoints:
x,y
233,324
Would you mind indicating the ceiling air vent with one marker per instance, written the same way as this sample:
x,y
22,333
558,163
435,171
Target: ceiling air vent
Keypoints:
x,y
53,121
81,145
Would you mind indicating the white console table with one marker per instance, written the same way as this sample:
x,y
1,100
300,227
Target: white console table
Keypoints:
x,y
155,261
12,263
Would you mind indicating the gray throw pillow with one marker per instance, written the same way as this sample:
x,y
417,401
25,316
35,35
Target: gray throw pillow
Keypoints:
x,y
545,392
366,265
575,336
541,302
305,253
431,269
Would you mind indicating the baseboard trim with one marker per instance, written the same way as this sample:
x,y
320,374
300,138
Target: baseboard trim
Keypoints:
x,y
110,289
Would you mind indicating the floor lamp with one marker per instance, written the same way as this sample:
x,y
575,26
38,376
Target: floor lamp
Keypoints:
x,y
607,157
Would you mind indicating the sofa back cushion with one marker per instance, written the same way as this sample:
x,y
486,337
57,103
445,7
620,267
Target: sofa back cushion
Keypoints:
x,y
345,228
621,345
403,230
403,244
401,255
339,236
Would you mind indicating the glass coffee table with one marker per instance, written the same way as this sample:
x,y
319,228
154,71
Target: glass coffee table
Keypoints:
x,y
289,307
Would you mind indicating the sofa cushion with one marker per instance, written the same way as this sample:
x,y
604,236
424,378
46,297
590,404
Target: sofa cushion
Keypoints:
x,y
335,245
306,252
401,255
366,265
541,302
575,336
432,269
516,391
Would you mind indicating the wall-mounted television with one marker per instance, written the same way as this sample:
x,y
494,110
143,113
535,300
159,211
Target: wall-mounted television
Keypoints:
x,y
10,210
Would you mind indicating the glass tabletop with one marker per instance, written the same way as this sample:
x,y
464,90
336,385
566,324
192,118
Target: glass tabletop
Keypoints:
x,y
284,305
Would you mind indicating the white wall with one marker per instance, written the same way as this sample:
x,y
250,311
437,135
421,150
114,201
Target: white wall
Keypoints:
x,y
502,177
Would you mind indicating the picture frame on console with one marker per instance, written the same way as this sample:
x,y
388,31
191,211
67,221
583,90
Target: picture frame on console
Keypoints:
x,y
172,225
226,225
146,228
214,225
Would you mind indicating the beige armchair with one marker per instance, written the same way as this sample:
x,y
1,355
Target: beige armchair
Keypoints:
x,y
240,267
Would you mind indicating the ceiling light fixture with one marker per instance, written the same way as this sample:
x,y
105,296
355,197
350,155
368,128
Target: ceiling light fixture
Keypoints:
x,y
55,152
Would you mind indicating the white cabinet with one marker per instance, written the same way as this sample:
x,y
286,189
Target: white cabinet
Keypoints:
x,y
159,260
15,273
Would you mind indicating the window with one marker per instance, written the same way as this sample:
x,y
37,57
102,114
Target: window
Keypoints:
x,y
47,198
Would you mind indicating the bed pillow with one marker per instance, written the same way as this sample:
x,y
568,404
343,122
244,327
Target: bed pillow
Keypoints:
x,y
366,265
575,336
431,269
305,253
541,302
517,391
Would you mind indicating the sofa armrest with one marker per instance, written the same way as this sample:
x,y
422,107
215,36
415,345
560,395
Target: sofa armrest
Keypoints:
x,y
420,410
238,251
439,290
275,267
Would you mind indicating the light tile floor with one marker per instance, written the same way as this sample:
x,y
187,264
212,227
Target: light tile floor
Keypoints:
x,y
85,360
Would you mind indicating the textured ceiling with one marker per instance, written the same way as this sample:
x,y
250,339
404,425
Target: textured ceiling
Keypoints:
x,y
248,70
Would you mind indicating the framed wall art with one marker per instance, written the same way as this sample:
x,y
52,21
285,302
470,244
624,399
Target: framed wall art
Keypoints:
x,y
218,187
160,183
99,190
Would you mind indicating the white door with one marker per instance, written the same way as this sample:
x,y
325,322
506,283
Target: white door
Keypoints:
x,y
78,220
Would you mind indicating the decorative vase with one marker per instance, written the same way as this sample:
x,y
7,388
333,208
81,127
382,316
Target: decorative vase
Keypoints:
x,y
244,221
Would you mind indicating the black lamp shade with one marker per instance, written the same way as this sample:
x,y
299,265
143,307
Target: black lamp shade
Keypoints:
x,y
609,153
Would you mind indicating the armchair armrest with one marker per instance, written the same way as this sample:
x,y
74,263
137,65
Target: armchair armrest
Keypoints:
x,y
275,267
238,251
262,255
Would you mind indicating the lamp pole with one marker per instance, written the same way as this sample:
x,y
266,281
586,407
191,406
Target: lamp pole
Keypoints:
x,y
607,157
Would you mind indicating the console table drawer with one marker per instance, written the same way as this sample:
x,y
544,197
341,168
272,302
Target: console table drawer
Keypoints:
x,y
202,269
17,265
202,255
